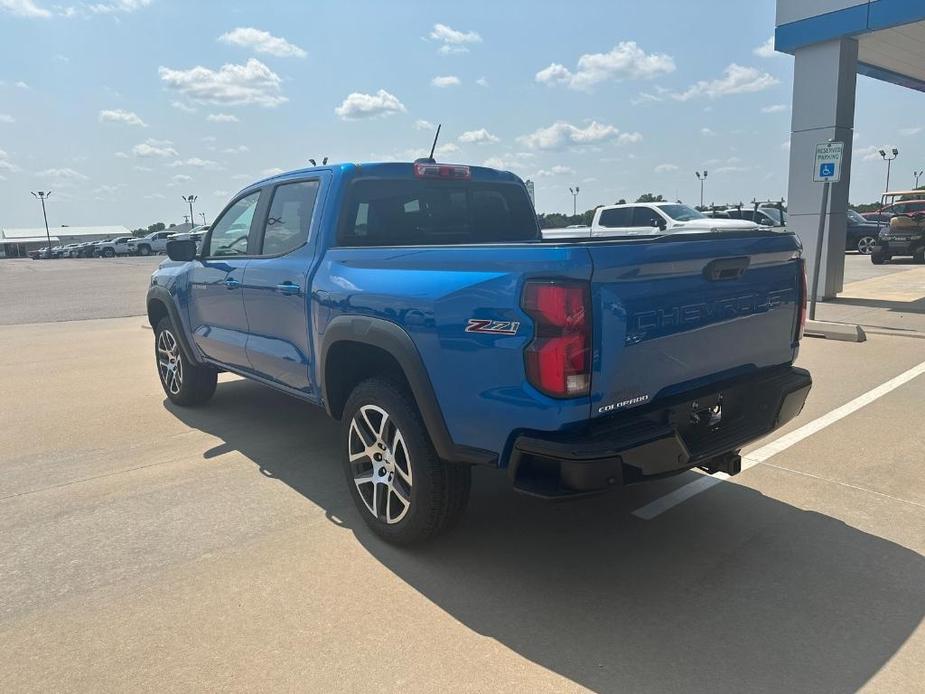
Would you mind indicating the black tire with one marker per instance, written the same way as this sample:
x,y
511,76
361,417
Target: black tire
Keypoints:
x,y
144,249
407,467
184,383
919,257
878,258
108,253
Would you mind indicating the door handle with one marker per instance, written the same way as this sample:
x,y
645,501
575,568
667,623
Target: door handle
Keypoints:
x,y
232,283
289,288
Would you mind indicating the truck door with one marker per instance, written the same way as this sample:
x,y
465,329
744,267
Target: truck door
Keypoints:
x,y
276,292
216,306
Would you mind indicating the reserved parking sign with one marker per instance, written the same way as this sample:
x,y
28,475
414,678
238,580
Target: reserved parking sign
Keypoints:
x,y
827,168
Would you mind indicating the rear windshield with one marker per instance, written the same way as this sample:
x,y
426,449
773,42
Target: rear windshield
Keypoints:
x,y
419,212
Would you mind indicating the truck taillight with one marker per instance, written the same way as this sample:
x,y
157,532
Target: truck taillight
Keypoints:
x,y
558,360
451,171
804,300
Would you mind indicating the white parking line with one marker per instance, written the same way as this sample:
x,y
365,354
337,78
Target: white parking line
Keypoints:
x,y
672,499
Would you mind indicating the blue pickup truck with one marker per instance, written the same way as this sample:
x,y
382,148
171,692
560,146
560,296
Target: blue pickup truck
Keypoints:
x,y
418,304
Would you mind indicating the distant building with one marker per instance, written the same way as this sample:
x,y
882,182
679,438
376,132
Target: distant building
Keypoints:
x,y
16,243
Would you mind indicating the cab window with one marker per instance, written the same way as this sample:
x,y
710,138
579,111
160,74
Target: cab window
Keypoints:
x,y
230,233
289,218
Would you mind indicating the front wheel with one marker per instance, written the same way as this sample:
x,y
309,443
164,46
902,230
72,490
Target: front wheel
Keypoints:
x,y
878,258
402,489
144,250
866,245
919,257
108,253
184,383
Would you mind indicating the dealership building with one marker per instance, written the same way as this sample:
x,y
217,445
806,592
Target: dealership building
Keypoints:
x,y
833,41
16,243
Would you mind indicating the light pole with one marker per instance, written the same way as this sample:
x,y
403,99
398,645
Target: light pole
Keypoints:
x,y
43,196
889,161
190,199
574,191
702,178
203,215
918,175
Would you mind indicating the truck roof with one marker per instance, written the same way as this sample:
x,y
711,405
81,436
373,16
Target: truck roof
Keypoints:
x,y
384,170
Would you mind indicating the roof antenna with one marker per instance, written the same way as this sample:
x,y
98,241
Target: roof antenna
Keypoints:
x,y
433,147
313,162
324,161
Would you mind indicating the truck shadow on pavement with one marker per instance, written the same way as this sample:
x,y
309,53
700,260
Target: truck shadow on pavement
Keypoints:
x,y
733,591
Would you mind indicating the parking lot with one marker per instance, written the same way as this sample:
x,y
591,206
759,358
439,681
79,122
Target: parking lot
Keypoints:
x,y
157,548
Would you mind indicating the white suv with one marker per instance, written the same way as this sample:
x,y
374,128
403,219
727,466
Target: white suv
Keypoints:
x,y
113,247
155,242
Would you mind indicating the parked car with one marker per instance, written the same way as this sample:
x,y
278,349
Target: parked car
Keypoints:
x,y
86,249
70,250
648,219
153,243
418,305
862,234
763,216
114,247
905,233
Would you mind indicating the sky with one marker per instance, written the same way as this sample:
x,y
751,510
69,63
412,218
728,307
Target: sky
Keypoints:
x,y
121,106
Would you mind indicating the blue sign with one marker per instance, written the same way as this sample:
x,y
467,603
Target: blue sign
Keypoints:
x,y
827,170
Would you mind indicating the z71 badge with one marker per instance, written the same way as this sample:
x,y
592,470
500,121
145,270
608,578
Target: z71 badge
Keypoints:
x,y
492,327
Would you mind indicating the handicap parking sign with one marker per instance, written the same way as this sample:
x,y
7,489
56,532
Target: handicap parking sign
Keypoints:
x,y
828,162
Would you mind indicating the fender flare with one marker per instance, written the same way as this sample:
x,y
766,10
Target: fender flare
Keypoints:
x,y
161,295
393,339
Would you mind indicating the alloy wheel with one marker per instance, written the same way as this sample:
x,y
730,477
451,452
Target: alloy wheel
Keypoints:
x,y
866,245
380,464
169,363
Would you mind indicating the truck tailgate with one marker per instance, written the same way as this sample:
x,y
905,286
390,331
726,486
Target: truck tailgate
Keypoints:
x,y
680,314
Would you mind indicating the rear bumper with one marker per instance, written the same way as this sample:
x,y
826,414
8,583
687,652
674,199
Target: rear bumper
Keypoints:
x,y
703,428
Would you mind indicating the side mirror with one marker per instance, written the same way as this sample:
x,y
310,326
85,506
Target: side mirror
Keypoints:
x,y
659,223
181,251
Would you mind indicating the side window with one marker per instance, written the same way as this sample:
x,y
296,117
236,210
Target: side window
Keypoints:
x,y
290,217
616,219
230,233
646,217
899,208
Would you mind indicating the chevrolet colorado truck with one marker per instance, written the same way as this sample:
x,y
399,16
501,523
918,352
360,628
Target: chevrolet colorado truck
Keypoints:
x,y
418,304
647,219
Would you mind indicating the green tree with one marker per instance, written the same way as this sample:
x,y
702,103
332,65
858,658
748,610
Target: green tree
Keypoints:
x,y
650,197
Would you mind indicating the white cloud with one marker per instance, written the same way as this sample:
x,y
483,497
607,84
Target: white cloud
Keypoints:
x,y
195,162
240,149
222,118
24,8
145,169
117,6
445,81
62,174
908,132
480,136
275,171
482,82
262,42
359,105
731,169
155,196
121,155
242,177
736,79
186,108
181,178
21,85
775,108
709,132
421,124
119,115
557,170
251,83
666,168
6,164
561,134
624,61
766,49
871,153
6,118
155,148
453,41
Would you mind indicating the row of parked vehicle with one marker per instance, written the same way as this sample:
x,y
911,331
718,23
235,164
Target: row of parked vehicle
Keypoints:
x,y
153,244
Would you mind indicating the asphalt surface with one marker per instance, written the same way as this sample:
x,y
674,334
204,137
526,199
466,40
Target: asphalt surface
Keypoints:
x,y
153,548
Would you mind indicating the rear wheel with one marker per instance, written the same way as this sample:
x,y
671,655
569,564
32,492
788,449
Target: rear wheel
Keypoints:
x,y
108,252
878,258
402,489
144,250
866,245
184,383
919,257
